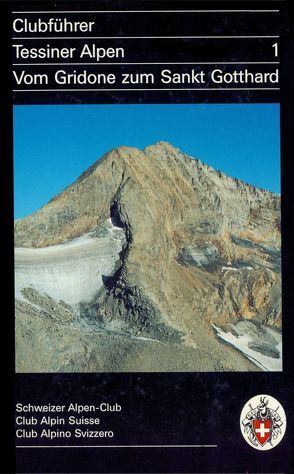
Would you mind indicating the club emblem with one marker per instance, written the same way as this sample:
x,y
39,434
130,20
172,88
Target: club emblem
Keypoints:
x,y
263,422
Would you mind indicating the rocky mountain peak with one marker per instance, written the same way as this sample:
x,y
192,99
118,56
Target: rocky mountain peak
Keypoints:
x,y
161,148
194,248
192,193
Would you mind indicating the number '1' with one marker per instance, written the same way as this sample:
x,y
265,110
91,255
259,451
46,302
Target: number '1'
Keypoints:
x,y
275,46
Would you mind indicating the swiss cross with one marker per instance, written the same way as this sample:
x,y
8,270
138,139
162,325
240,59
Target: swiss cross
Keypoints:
x,y
262,430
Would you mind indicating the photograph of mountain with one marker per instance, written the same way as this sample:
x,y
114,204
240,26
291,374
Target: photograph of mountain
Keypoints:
x,y
152,260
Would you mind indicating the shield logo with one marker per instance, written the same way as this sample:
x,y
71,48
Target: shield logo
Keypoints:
x,y
262,430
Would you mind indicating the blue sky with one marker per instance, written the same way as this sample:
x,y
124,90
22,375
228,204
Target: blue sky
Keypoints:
x,y
54,144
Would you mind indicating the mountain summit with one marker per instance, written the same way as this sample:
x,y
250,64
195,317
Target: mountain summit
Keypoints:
x,y
152,255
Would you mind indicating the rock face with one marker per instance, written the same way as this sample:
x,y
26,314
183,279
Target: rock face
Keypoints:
x,y
194,249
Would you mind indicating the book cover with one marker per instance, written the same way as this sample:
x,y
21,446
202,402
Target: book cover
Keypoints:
x,y
147,190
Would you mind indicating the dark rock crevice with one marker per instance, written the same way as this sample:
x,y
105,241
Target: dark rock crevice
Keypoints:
x,y
122,301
